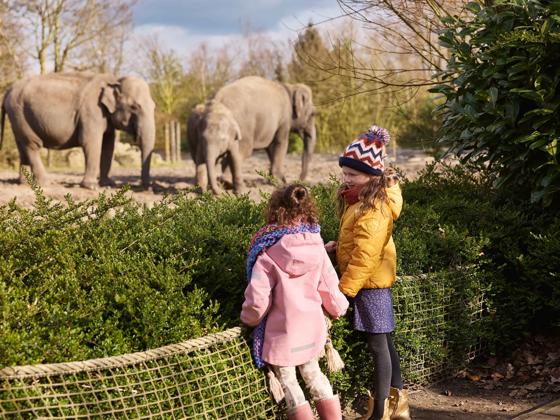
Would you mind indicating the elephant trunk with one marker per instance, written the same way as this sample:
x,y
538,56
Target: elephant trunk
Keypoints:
x,y
146,137
211,168
309,140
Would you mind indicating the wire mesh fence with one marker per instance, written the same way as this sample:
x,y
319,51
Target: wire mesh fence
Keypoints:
x,y
213,377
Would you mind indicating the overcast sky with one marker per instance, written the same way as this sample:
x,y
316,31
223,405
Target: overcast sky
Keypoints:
x,y
183,24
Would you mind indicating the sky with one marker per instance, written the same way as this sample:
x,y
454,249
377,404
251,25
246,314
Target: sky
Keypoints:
x,y
182,25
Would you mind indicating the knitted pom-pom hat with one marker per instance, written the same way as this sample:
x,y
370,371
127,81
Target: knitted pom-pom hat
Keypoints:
x,y
366,153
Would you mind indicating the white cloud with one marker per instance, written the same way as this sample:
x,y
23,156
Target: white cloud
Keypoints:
x,y
184,41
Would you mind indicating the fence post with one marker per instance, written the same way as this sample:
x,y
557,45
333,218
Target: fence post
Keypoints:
x,y
166,140
173,140
178,139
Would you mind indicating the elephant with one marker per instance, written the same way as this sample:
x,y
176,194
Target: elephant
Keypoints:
x,y
214,121
266,112
64,110
194,134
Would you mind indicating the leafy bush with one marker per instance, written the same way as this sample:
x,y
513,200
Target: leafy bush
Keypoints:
x,y
96,278
514,245
501,89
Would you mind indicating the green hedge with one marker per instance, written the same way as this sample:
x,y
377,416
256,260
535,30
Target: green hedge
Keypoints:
x,y
513,244
110,276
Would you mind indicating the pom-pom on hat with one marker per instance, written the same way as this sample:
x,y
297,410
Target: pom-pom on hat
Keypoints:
x,y
366,153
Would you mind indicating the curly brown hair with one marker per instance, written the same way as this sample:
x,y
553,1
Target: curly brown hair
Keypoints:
x,y
291,204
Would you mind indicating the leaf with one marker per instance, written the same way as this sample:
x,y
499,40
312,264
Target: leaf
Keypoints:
x,y
493,91
473,7
538,144
528,94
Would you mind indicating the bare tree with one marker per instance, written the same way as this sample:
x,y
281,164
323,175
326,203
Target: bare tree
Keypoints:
x,y
261,56
11,65
64,30
207,71
402,49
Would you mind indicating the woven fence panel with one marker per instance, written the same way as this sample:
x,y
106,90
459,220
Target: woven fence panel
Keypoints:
x,y
440,318
208,378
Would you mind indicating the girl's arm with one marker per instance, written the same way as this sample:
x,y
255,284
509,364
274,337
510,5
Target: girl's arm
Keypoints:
x,y
334,302
370,237
395,200
258,293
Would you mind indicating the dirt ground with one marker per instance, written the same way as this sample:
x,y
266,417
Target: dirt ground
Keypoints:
x,y
170,179
491,388
476,394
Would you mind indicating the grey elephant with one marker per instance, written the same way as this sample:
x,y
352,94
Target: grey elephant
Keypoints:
x,y
214,121
266,112
64,110
194,135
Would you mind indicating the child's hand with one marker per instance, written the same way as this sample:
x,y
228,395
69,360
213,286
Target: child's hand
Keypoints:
x,y
330,246
391,177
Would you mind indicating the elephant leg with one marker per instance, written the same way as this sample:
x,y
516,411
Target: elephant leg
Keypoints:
x,y
236,173
211,167
23,162
29,147
277,152
201,176
107,150
34,156
91,143
224,166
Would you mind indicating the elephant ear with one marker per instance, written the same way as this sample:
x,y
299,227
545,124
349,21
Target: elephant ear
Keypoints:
x,y
109,95
301,101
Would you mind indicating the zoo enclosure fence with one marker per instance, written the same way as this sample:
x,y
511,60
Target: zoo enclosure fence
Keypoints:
x,y
213,377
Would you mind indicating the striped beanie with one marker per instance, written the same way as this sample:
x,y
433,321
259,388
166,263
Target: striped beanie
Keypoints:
x,y
366,153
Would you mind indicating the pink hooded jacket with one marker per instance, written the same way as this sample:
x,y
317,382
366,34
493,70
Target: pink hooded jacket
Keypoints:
x,y
292,282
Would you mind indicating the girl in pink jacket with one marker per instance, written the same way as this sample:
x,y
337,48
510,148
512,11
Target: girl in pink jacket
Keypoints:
x,y
291,282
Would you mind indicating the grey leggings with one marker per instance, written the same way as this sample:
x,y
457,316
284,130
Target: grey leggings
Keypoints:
x,y
387,367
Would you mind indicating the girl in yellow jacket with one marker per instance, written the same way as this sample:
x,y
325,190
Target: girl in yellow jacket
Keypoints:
x,y
369,202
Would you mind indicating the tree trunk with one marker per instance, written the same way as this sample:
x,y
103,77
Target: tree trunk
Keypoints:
x,y
178,141
166,141
173,140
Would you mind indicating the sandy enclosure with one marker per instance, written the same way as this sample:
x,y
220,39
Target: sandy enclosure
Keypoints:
x,y
169,179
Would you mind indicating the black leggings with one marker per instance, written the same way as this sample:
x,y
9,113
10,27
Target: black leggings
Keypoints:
x,y
387,367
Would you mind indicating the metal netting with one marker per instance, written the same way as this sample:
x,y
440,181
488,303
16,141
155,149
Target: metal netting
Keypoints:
x,y
213,377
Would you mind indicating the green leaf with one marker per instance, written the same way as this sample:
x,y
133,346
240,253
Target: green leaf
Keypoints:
x,y
538,144
493,91
528,94
473,7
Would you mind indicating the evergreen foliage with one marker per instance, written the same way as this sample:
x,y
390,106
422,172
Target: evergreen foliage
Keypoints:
x,y
502,94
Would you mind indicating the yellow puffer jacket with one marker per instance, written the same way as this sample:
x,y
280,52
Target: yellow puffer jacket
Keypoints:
x,y
365,251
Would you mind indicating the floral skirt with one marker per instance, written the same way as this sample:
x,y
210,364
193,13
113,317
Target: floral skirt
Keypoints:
x,y
373,311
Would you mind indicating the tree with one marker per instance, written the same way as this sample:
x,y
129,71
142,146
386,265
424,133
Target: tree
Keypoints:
x,y
165,73
341,113
71,30
403,34
502,95
262,57
207,71
11,66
